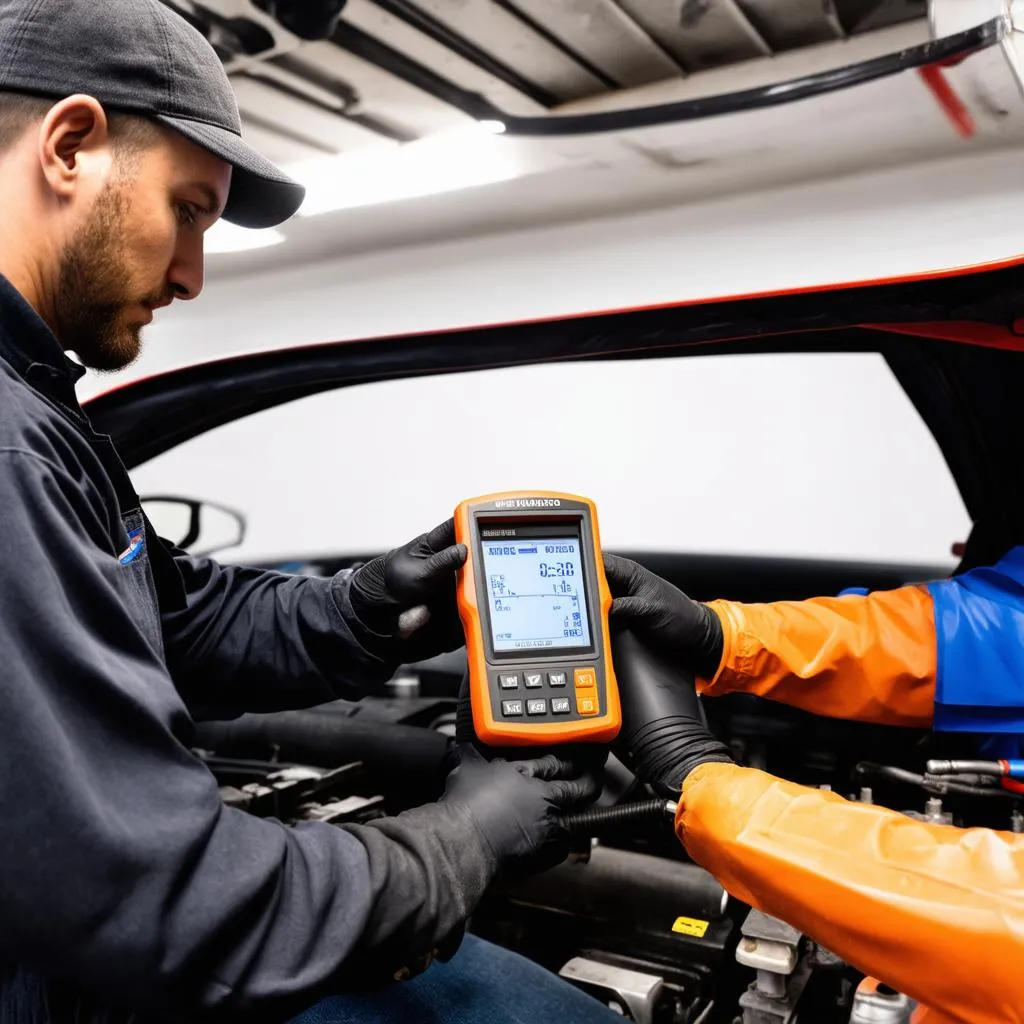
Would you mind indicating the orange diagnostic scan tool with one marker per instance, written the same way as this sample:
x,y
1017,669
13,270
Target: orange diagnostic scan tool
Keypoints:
x,y
534,604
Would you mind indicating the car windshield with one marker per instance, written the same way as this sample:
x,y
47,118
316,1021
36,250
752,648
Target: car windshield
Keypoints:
x,y
778,455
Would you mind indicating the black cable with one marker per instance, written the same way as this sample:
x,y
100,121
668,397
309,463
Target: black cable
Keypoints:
x,y
962,44
434,29
935,786
559,44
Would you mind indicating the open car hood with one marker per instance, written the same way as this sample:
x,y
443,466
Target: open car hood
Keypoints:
x,y
955,343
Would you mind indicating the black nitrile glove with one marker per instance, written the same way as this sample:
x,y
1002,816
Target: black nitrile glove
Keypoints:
x,y
430,866
419,575
518,805
664,616
664,734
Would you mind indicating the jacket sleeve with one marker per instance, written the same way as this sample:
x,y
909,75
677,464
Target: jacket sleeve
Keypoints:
x,y
934,911
979,618
870,658
253,640
124,874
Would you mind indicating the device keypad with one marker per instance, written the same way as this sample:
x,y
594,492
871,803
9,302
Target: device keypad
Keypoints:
x,y
546,696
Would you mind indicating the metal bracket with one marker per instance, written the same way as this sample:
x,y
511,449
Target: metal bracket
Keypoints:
x,y
771,947
878,1004
634,994
764,1007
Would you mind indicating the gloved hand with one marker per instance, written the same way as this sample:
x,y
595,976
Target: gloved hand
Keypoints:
x,y
430,866
664,616
664,734
517,805
419,575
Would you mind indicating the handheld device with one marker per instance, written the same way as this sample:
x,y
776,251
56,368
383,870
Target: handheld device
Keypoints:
x,y
534,605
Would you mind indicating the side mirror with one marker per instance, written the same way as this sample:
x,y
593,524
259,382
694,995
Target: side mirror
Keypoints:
x,y
199,527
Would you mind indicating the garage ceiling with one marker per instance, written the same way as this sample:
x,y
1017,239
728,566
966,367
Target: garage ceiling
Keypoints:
x,y
609,107
400,70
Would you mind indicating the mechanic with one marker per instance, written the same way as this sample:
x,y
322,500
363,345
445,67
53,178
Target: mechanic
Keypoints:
x,y
128,890
934,911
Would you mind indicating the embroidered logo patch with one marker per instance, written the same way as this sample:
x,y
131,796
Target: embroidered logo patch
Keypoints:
x,y
136,545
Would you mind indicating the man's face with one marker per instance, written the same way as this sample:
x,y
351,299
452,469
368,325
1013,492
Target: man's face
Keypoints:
x,y
139,247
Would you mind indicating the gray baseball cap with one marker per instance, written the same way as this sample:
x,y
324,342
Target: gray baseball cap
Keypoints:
x,y
140,57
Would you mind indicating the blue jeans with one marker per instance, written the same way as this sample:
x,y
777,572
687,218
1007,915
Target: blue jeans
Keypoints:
x,y
481,984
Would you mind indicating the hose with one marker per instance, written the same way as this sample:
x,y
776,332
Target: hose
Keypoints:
x,y
1011,772
599,820
619,885
936,767
406,759
935,786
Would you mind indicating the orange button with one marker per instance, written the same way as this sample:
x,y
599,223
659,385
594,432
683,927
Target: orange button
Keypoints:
x,y
586,705
585,677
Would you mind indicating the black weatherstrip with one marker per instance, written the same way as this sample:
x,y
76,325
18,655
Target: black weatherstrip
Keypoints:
x,y
152,416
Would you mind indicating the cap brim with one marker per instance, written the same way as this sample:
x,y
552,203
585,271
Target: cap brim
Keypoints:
x,y
261,195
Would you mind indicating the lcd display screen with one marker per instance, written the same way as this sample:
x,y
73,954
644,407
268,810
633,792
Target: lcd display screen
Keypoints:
x,y
536,593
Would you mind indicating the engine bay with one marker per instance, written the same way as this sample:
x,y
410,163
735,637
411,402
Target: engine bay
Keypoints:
x,y
628,917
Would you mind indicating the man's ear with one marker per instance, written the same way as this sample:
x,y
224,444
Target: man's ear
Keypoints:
x,y
74,140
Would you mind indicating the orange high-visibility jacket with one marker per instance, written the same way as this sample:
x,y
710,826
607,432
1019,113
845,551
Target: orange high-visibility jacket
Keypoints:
x,y
934,911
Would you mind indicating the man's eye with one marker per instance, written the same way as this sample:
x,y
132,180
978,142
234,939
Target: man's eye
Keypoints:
x,y
186,214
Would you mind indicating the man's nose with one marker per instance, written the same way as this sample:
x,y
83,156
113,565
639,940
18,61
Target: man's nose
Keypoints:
x,y
187,272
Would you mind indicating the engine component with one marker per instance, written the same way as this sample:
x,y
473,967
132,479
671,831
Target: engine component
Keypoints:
x,y
1010,773
937,785
935,814
1014,769
650,914
406,760
349,808
613,880
772,948
632,993
602,820
875,1003
295,792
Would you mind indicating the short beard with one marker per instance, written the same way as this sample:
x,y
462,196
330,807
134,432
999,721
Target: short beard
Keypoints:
x,y
93,290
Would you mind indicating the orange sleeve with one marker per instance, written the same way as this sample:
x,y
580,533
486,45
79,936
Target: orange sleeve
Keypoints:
x,y
934,911
870,658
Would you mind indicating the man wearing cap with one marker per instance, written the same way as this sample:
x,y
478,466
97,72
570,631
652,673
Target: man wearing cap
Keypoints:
x,y
127,889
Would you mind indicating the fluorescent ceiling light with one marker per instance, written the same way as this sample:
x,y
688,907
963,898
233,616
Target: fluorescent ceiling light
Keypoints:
x,y
439,163
224,238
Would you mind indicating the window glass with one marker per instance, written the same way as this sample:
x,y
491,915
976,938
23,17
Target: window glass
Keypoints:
x,y
791,455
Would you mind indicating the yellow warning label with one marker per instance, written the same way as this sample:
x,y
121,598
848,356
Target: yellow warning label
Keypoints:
x,y
690,926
